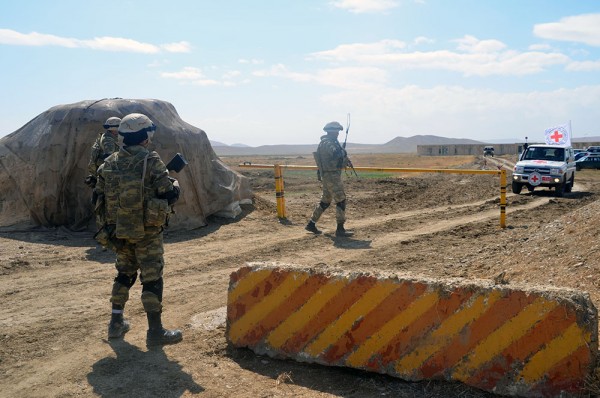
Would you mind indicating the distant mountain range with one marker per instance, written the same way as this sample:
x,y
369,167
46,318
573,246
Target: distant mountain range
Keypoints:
x,y
397,145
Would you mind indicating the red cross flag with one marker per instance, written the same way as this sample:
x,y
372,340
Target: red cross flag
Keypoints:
x,y
559,135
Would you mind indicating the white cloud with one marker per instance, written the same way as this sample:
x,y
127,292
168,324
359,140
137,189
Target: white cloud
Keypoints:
x,y
106,43
187,73
423,40
540,47
347,78
352,78
584,66
474,58
281,70
472,44
251,61
180,47
205,82
231,74
195,76
365,6
118,44
159,63
579,28
359,51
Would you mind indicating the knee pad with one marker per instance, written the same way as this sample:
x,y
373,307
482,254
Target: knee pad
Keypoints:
x,y
126,280
324,205
121,286
152,293
342,204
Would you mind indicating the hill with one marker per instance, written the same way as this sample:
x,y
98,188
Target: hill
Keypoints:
x,y
397,145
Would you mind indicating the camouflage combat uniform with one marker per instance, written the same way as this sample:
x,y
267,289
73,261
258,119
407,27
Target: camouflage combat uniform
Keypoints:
x,y
137,212
105,145
333,159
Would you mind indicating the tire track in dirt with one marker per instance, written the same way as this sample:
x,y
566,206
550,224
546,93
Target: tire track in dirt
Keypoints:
x,y
393,238
289,244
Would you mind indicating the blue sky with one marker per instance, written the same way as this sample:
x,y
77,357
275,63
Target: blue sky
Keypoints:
x,y
275,72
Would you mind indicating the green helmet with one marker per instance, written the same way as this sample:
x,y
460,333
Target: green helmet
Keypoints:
x,y
112,122
333,127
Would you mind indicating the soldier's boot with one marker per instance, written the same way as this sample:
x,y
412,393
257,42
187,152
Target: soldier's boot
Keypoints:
x,y
342,232
157,335
118,326
312,227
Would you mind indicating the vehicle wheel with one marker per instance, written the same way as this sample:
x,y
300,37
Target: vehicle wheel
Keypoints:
x,y
570,184
578,168
516,187
560,190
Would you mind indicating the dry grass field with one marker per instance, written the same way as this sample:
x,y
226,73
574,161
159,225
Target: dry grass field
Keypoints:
x,y
55,284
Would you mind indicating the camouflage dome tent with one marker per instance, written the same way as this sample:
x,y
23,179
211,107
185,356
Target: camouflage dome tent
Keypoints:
x,y
43,165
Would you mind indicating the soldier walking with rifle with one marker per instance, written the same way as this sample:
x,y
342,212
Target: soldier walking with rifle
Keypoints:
x,y
331,158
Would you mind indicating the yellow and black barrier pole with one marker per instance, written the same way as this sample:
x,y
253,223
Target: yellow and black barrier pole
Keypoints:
x,y
503,198
279,192
279,195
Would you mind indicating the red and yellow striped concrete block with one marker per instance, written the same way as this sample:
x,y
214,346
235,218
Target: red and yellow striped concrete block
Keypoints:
x,y
527,342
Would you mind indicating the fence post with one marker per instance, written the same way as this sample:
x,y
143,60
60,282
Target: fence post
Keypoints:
x,y
279,196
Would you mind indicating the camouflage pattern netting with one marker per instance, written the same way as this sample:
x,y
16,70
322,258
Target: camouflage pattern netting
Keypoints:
x,y
44,164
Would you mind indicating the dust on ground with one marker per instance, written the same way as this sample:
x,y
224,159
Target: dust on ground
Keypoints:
x,y
55,284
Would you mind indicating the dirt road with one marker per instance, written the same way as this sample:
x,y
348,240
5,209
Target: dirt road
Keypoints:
x,y
55,284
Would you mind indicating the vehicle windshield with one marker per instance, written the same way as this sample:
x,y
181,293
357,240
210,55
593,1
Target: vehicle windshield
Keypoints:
x,y
551,154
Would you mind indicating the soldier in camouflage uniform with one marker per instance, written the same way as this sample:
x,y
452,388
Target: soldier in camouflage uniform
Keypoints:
x,y
106,144
331,158
135,194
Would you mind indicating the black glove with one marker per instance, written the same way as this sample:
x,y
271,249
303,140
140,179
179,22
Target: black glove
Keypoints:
x,y
90,181
172,196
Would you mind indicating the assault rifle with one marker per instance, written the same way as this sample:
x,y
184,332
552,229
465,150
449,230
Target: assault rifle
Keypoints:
x,y
348,162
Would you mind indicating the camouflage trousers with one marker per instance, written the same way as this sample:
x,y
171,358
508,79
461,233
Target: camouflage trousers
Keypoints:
x,y
145,256
333,190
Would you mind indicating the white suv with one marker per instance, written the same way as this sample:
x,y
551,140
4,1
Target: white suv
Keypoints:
x,y
545,166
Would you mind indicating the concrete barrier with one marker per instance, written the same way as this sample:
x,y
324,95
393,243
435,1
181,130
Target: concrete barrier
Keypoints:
x,y
524,341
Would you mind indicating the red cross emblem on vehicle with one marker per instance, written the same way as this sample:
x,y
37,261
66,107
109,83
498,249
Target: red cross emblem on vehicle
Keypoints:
x,y
556,136
535,179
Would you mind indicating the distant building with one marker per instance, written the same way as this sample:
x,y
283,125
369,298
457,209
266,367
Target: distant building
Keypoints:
x,y
477,149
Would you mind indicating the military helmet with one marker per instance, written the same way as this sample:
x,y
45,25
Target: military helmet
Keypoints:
x,y
333,127
112,122
135,123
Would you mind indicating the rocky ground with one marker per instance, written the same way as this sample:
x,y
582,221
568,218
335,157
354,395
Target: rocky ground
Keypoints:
x,y
55,284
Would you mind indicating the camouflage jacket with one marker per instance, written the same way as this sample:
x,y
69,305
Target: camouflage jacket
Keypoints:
x,y
105,145
331,154
130,185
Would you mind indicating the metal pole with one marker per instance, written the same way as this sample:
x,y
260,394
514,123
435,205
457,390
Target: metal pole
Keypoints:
x,y
502,198
279,195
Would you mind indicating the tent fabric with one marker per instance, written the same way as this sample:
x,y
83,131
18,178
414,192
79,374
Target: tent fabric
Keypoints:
x,y
43,165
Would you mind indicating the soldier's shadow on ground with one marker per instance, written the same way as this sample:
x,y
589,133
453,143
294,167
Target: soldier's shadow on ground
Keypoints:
x,y
348,243
213,224
137,373
100,254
